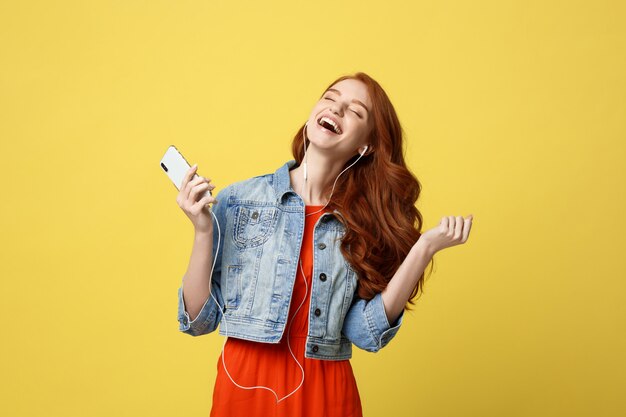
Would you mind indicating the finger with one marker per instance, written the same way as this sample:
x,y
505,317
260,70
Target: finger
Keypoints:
x,y
210,187
192,196
204,201
451,224
196,190
467,227
197,180
189,179
192,170
444,223
458,227
207,199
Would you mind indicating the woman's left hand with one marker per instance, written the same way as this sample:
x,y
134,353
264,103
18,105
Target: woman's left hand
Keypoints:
x,y
451,231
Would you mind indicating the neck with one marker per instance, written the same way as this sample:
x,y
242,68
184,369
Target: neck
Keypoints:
x,y
321,174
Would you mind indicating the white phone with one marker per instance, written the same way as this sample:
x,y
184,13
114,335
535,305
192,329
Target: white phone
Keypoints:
x,y
176,166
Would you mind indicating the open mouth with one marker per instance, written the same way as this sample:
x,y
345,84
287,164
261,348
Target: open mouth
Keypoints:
x,y
329,125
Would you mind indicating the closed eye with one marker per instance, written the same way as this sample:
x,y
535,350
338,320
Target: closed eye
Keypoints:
x,y
328,98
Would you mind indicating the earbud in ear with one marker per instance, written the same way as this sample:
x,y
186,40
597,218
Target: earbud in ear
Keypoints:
x,y
363,151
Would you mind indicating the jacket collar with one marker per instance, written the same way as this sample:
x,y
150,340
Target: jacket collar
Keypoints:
x,y
282,182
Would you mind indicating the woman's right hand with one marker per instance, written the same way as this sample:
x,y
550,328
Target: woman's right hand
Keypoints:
x,y
187,199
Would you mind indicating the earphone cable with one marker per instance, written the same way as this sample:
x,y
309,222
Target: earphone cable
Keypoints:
x,y
226,325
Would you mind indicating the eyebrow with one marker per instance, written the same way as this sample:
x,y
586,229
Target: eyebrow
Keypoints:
x,y
353,100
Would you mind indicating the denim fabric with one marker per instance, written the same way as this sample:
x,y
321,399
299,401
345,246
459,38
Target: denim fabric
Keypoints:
x,y
261,223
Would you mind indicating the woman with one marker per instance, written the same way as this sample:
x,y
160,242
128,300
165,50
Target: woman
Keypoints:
x,y
321,254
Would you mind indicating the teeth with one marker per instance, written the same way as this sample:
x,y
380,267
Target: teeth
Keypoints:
x,y
332,123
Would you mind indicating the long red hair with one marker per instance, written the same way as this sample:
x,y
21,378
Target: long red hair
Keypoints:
x,y
376,198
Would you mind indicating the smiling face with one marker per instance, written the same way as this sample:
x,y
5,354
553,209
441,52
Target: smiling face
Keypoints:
x,y
341,120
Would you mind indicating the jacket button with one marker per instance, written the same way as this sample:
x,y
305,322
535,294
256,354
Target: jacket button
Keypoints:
x,y
323,276
315,348
185,320
318,311
255,215
321,246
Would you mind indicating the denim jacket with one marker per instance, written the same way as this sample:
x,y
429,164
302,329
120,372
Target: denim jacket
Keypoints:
x,y
261,222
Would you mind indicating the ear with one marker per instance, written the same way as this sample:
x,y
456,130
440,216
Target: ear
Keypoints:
x,y
363,149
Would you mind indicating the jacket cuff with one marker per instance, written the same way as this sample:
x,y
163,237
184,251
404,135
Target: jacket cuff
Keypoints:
x,y
378,323
198,325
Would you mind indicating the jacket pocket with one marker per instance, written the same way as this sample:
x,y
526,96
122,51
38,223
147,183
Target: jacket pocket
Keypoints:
x,y
253,225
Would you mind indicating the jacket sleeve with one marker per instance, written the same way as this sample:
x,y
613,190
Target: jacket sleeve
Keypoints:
x,y
366,324
210,314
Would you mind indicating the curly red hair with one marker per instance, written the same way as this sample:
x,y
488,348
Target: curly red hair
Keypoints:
x,y
377,199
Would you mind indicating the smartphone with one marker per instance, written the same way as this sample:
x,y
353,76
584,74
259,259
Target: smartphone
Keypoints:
x,y
176,166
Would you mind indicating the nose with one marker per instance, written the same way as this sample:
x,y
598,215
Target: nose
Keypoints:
x,y
335,108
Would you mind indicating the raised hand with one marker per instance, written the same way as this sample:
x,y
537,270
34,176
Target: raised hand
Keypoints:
x,y
193,206
451,231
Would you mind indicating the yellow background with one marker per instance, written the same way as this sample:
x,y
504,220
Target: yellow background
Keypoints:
x,y
513,111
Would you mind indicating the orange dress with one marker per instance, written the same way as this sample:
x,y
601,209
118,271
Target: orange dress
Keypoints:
x,y
329,388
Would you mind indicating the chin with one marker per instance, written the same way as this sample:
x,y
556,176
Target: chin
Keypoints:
x,y
324,141
326,147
